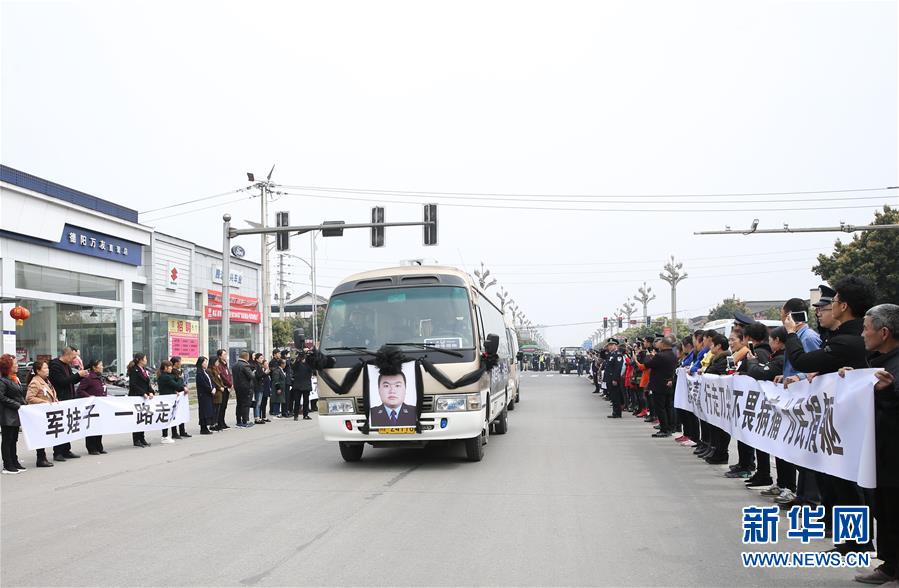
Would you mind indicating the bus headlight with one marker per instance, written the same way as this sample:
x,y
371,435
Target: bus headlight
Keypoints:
x,y
340,406
474,401
450,403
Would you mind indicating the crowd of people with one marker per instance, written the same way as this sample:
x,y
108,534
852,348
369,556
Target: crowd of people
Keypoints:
x,y
278,387
853,333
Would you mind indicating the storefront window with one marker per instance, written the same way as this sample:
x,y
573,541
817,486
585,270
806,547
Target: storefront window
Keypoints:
x,y
243,336
59,281
52,326
137,293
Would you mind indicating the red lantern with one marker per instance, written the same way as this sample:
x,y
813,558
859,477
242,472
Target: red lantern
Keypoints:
x,y
21,314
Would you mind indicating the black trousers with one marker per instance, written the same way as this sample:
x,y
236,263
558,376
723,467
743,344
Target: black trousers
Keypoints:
x,y
746,454
62,449
664,409
138,438
242,412
886,512
786,473
94,443
8,447
690,423
720,441
300,397
837,492
223,407
286,408
616,397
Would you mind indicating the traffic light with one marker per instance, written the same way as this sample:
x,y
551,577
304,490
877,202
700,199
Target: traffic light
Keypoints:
x,y
377,233
333,232
282,239
648,321
605,322
620,324
430,229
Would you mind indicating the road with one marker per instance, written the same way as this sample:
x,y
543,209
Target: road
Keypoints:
x,y
567,497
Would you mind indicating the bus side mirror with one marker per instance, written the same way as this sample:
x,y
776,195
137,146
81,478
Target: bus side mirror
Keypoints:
x,y
491,345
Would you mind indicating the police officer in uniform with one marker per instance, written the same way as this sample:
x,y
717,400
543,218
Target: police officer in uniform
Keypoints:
x,y
612,378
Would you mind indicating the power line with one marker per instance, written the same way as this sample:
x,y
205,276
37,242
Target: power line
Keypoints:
x,y
525,195
765,262
186,202
205,208
566,209
587,282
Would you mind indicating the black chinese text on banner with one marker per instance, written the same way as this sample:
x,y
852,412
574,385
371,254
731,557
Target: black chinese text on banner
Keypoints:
x,y
826,426
46,425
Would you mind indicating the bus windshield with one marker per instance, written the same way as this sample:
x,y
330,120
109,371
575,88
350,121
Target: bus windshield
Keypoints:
x,y
438,316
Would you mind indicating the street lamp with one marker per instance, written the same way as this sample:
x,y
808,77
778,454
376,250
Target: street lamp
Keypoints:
x,y
673,276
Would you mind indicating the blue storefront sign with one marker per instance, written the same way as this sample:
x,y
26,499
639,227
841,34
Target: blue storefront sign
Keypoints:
x,y
87,242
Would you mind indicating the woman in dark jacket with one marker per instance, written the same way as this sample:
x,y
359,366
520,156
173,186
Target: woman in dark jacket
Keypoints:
x,y
93,385
205,394
719,440
12,396
279,381
168,384
263,383
139,385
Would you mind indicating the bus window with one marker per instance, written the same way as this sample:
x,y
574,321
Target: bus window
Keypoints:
x,y
432,315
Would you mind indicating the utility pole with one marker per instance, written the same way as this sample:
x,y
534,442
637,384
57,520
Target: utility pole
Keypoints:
x,y
645,298
673,276
314,295
629,308
226,286
281,286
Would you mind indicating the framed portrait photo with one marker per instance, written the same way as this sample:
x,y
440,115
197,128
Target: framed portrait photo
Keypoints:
x,y
393,399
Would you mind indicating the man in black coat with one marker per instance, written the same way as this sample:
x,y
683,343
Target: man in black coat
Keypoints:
x,y
64,380
662,364
845,348
244,388
612,378
881,335
301,386
393,410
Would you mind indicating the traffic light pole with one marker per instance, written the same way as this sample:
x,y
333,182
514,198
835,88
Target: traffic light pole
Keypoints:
x,y
229,233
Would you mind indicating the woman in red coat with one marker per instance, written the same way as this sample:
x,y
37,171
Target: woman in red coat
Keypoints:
x,y
93,385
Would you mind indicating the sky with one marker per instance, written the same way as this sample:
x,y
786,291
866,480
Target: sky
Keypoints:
x,y
572,147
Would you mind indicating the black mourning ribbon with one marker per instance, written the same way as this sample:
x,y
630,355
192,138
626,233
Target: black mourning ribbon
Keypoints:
x,y
321,362
488,362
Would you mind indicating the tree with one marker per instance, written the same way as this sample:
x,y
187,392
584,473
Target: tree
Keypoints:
x,y
872,254
773,313
727,308
642,330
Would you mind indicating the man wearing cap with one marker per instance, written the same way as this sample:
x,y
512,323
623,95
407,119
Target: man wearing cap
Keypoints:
x,y
742,320
612,378
845,348
823,305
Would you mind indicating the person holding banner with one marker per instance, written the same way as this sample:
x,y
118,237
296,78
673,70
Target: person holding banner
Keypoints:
x,y
40,391
93,385
139,385
881,335
181,375
845,348
168,384
718,439
12,396
64,380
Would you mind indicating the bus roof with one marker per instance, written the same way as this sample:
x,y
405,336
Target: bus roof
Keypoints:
x,y
408,275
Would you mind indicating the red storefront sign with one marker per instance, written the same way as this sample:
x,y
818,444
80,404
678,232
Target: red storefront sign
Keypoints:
x,y
214,298
237,315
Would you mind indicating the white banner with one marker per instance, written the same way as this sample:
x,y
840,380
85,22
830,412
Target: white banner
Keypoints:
x,y
46,425
826,426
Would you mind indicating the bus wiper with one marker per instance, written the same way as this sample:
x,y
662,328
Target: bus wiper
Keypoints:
x,y
362,349
430,348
